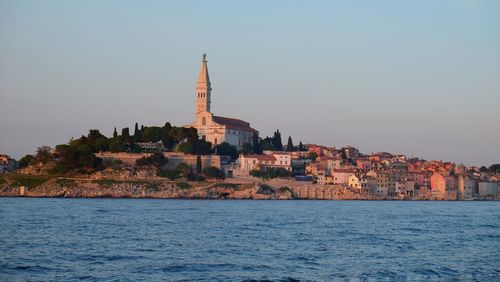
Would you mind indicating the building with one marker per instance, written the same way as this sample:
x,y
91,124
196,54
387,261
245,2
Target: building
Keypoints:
x,y
7,164
217,129
151,146
341,175
270,160
354,182
438,185
487,190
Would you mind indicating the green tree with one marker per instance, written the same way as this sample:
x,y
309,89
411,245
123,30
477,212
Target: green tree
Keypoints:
x,y
185,147
116,145
101,144
115,134
198,164
257,148
203,147
290,147
301,147
495,168
277,140
213,172
152,134
157,159
226,149
183,168
166,138
126,135
25,161
43,155
138,133
247,149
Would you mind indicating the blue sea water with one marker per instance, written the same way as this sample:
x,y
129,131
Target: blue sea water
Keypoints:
x,y
184,240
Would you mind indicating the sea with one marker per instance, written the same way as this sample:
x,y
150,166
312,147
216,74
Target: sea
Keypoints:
x,y
44,239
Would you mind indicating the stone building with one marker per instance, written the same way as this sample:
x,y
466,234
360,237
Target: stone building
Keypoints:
x,y
217,129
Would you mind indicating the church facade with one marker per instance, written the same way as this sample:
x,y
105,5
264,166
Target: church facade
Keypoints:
x,y
217,129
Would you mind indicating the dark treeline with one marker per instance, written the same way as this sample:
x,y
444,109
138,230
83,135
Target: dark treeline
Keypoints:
x,y
79,154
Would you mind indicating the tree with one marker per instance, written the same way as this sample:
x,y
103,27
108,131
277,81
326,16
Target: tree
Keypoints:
x,y
198,164
116,145
185,147
289,146
157,160
213,172
495,168
203,147
247,149
126,135
226,149
301,147
136,129
138,133
184,169
43,155
277,140
115,134
152,134
313,156
257,148
25,161
101,144
166,138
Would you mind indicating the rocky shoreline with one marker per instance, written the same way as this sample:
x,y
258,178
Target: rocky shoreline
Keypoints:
x,y
254,189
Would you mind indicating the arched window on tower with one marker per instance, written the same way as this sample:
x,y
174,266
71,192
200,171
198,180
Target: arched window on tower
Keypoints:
x,y
204,121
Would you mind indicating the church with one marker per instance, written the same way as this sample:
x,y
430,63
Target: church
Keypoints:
x,y
217,129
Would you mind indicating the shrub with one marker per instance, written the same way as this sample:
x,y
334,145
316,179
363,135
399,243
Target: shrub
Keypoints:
x,y
183,185
29,182
271,173
213,172
156,159
195,177
168,173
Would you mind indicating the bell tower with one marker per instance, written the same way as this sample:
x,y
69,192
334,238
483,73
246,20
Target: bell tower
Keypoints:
x,y
203,89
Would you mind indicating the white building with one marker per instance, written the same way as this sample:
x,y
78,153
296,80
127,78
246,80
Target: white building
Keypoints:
x,y
267,161
217,129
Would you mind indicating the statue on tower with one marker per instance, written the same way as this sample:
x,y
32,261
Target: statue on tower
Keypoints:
x,y
204,57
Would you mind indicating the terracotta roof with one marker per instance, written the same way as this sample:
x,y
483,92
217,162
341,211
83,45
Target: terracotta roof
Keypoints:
x,y
232,123
260,157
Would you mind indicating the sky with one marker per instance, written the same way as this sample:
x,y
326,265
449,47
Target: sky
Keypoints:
x,y
420,78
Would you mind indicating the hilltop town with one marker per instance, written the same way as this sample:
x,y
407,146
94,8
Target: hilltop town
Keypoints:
x,y
223,157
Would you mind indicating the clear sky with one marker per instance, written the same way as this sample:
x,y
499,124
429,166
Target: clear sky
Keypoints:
x,y
414,77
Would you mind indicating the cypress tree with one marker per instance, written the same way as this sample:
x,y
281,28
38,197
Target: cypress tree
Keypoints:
x,y
289,146
277,140
198,164
301,147
115,134
136,130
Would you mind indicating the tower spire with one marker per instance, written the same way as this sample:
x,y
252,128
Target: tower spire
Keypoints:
x,y
203,87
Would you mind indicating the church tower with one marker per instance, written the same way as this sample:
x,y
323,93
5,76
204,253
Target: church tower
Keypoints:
x,y
203,89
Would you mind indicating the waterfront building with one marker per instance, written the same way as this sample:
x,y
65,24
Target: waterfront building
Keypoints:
x,y
7,164
217,129
354,182
341,175
438,185
270,160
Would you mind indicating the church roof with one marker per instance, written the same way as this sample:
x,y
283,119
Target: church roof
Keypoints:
x,y
204,78
232,123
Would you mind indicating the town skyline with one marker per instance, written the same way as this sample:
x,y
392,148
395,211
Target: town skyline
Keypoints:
x,y
434,101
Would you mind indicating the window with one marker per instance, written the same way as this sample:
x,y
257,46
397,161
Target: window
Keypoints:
x,y
215,141
204,122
